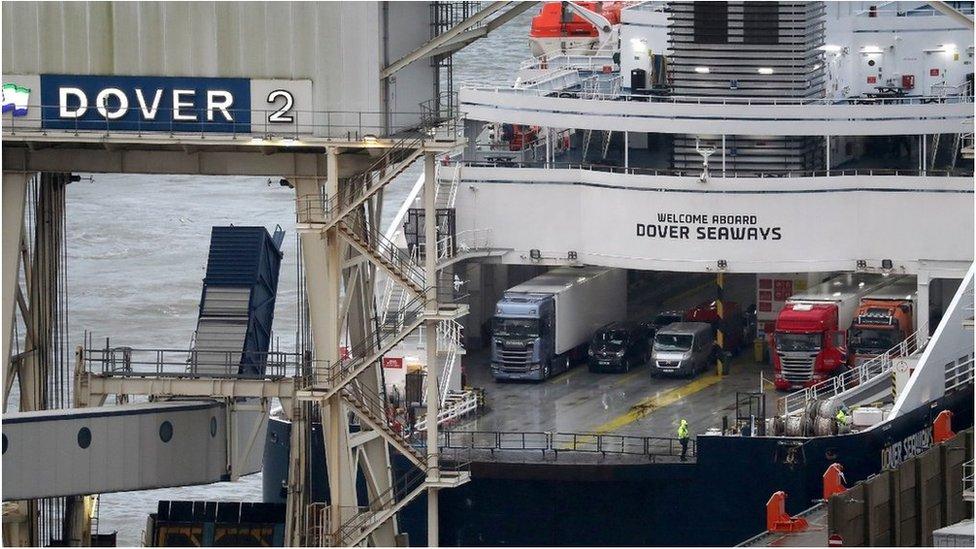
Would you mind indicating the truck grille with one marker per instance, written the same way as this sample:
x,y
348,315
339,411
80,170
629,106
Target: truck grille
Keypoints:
x,y
668,364
515,359
797,367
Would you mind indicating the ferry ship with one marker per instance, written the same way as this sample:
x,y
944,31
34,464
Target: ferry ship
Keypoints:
x,y
695,262
746,141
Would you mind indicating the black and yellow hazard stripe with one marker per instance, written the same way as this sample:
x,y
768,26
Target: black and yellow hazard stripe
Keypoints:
x,y
719,334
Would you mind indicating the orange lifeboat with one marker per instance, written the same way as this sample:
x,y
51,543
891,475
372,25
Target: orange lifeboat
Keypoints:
x,y
559,28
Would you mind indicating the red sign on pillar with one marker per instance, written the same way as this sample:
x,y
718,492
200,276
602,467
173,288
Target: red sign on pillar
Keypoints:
x,y
835,540
392,362
343,352
933,72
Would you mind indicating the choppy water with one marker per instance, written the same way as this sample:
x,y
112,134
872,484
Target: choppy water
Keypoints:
x,y
137,248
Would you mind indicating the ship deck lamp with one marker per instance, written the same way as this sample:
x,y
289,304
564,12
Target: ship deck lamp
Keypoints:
x,y
535,254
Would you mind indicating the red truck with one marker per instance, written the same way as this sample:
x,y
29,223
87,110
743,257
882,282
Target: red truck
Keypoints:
x,y
733,325
809,343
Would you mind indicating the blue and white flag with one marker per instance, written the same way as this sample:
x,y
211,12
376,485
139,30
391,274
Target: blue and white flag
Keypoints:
x,y
15,99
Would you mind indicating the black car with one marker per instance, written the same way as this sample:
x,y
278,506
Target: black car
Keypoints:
x,y
619,347
665,318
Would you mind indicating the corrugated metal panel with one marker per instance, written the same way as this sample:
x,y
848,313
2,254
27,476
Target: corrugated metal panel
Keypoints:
x,y
338,45
220,301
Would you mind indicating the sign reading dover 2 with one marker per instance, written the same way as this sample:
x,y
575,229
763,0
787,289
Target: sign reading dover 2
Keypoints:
x,y
173,103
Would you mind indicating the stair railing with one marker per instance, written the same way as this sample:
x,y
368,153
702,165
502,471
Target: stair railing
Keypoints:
x,y
829,388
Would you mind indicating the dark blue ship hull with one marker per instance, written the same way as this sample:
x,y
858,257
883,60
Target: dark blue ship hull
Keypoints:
x,y
719,500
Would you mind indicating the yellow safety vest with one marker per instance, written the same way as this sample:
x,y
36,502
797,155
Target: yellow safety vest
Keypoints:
x,y
841,417
682,432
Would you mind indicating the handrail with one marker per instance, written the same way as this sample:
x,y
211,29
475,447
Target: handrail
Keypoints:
x,y
401,260
547,441
161,362
243,122
331,374
723,100
322,208
731,174
401,487
882,364
958,374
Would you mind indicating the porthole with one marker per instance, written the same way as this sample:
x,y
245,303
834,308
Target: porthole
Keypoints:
x,y
166,431
213,426
84,437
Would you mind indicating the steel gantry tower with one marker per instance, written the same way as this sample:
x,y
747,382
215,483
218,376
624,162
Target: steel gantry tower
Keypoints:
x,y
343,252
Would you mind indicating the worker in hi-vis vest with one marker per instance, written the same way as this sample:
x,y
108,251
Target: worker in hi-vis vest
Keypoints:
x,y
842,419
683,438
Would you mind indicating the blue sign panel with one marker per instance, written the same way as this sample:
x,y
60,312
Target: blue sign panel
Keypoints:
x,y
146,103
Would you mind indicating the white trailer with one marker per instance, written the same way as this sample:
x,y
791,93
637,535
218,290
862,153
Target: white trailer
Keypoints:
x,y
585,298
540,322
845,292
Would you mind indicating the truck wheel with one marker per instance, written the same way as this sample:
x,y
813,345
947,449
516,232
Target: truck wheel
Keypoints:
x,y
545,370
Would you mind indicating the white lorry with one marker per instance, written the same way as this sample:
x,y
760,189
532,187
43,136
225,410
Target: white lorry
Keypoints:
x,y
542,326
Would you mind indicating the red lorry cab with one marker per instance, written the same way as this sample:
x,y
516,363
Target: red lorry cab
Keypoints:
x,y
733,327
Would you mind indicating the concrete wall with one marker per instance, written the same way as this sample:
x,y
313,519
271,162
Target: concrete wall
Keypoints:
x,y
902,506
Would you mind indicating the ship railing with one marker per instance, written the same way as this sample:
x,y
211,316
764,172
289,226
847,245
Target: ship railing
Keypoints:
x,y
731,174
882,364
967,480
183,363
921,11
547,442
958,373
582,59
462,242
734,101
254,127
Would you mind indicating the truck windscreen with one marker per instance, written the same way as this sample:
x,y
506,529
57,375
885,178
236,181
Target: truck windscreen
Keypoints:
x,y
874,339
673,342
797,342
516,327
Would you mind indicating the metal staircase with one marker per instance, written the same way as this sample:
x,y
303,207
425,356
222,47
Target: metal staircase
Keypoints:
x,y
394,261
371,408
366,519
323,212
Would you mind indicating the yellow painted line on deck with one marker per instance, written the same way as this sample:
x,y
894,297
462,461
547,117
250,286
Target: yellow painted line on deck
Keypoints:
x,y
656,402
645,407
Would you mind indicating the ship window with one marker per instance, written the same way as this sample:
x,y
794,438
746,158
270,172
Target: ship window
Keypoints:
x,y
760,23
711,22
166,431
213,426
84,437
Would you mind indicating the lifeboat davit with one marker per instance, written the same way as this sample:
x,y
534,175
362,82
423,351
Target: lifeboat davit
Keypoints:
x,y
560,28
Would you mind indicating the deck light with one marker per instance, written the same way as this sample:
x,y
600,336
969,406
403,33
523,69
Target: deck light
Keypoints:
x,y
370,139
765,70
535,254
870,49
887,264
862,264
832,48
702,70
571,255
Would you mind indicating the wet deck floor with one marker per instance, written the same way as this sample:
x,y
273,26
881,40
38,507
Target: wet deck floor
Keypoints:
x,y
632,403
